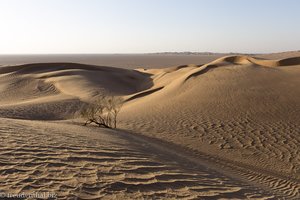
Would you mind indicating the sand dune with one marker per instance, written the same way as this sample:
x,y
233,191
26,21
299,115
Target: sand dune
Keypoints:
x,y
240,109
280,55
73,161
235,119
56,90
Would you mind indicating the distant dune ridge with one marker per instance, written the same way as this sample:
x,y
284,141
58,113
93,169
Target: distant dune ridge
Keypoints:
x,y
238,113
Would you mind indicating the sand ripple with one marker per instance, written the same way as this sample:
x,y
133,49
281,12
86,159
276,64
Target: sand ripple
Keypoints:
x,y
43,157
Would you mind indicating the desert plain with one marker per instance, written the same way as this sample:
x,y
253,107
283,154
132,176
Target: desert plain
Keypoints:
x,y
191,126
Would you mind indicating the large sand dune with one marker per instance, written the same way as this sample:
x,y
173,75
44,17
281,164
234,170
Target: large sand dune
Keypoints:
x,y
235,119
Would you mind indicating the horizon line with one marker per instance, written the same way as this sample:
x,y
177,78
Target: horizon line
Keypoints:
x,y
162,52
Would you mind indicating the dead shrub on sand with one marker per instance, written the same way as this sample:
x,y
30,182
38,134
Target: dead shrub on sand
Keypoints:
x,y
103,111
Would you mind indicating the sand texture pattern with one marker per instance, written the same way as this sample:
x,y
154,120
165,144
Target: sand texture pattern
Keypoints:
x,y
228,129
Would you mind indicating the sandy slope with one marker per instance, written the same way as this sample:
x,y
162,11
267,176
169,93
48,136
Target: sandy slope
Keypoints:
x,y
246,115
75,161
237,113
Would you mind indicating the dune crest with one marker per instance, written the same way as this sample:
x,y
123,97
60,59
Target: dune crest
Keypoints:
x,y
240,60
188,71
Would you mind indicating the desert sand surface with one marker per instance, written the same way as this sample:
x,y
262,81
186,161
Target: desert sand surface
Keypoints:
x,y
76,162
129,61
132,61
223,129
280,55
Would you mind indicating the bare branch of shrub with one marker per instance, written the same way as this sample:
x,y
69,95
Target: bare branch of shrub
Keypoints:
x,y
102,112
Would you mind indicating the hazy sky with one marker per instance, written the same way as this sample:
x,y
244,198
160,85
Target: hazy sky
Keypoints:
x,y
137,26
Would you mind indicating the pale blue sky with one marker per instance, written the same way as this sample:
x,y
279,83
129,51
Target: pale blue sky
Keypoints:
x,y
141,26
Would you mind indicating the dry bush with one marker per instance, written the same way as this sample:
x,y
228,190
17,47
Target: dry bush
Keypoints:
x,y
102,112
